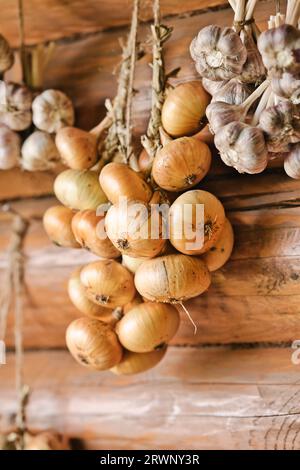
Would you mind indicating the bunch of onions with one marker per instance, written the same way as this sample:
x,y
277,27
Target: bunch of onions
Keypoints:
x,y
231,62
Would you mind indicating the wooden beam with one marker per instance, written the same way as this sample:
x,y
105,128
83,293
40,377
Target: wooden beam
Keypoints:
x,y
211,398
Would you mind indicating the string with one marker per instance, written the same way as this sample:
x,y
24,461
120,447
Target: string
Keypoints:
x,y
189,317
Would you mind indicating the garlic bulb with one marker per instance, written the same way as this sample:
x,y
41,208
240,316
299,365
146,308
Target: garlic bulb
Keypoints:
x,y
233,92
52,110
243,147
9,148
253,69
292,162
15,106
279,48
220,113
218,52
281,124
6,55
213,86
287,86
39,152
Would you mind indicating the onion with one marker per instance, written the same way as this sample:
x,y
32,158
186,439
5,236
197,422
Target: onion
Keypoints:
x,y
93,343
77,148
135,363
220,252
148,327
57,224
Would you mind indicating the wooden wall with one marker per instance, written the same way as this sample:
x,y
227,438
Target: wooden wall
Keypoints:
x,y
233,384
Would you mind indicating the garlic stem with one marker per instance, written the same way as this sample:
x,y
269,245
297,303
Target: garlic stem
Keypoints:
x,y
279,20
292,12
251,4
270,100
240,10
232,4
254,96
261,106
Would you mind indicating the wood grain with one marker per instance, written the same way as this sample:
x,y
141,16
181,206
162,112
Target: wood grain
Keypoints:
x,y
212,398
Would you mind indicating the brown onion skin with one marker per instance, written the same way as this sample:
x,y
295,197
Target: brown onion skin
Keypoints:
x,y
148,326
108,283
85,228
184,109
77,148
214,219
93,343
172,278
57,222
136,363
181,164
118,180
220,252
144,162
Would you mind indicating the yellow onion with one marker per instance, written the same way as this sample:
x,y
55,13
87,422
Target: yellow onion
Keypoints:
x,y
136,301
172,278
79,190
184,109
118,180
78,297
182,221
181,163
57,224
131,263
89,232
136,231
220,252
144,162
108,283
205,135
148,327
135,363
93,343
77,148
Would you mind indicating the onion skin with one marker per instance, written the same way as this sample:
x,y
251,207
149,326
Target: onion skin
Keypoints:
x,y
144,163
220,252
130,232
135,363
79,190
184,109
77,148
136,301
84,226
78,297
205,135
214,219
57,222
93,344
147,327
181,164
108,283
172,278
132,263
118,180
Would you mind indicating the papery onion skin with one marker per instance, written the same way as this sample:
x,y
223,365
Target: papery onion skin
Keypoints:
x,y
180,223
172,278
79,190
220,252
136,363
108,283
118,180
181,164
77,148
57,222
184,109
93,344
148,326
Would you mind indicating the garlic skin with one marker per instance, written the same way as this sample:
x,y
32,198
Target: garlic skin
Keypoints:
x,y
212,86
6,55
220,113
39,152
253,70
279,49
281,124
292,162
15,106
287,86
52,110
219,53
233,92
243,147
10,148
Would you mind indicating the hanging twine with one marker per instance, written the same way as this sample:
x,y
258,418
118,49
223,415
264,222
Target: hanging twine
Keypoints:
x,y
119,136
160,34
12,295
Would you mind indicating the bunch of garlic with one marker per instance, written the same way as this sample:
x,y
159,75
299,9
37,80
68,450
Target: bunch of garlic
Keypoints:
x,y
252,123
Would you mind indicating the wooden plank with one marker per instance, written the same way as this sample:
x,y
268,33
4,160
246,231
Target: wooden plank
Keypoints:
x,y
54,19
212,398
